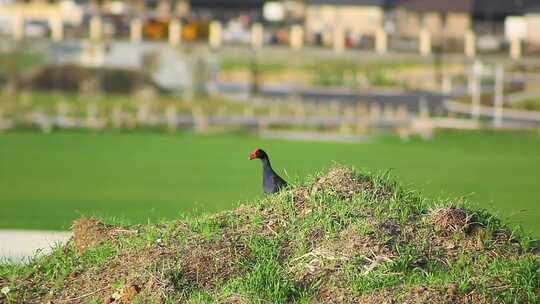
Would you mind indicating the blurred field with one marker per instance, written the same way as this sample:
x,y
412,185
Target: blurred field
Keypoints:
x,y
47,180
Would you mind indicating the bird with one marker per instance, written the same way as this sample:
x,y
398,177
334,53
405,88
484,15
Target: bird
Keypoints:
x,y
272,182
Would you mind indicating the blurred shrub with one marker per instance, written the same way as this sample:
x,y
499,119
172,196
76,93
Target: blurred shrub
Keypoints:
x,y
74,78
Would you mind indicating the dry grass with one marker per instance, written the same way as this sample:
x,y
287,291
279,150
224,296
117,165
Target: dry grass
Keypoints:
x,y
346,182
121,278
449,220
211,264
88,232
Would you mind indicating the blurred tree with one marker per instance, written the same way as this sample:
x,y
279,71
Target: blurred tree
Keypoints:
x,y
14,59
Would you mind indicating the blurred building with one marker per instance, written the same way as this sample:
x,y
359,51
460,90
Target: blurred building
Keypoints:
x,y
355,17
227,9
449,18
489,16
532,18
495,22
452,19
36,16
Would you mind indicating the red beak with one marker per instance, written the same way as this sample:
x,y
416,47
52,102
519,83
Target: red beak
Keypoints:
x,y
253,155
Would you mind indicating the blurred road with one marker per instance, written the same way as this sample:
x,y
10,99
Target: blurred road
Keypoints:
x,y
410,99
18,245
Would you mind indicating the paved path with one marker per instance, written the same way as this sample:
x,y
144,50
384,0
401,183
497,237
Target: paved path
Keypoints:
x,y
313,136
17,245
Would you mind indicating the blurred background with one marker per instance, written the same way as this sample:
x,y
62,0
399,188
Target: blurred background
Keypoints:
x,y
144,110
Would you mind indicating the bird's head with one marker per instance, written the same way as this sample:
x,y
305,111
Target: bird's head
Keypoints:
x,y
257,153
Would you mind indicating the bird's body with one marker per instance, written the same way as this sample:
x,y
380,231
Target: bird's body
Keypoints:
x,y
272,182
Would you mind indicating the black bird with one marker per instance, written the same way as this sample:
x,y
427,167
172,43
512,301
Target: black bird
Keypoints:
x,y
272,182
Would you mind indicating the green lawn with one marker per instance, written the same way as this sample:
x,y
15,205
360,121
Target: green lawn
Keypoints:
x,y
47,180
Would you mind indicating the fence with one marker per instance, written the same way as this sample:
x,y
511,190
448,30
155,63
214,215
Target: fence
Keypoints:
x,y
100,28
173,116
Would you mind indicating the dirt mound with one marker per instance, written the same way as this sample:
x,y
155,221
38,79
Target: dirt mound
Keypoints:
x,y
344,237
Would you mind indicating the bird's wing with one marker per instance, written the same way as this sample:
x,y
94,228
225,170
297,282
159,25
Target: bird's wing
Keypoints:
x,y
280,181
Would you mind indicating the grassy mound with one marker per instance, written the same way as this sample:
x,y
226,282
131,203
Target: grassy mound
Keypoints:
x,y
341,237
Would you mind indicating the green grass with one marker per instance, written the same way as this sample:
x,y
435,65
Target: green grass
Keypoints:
x,y
308,63
345,236
48,101
325,72
47,180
